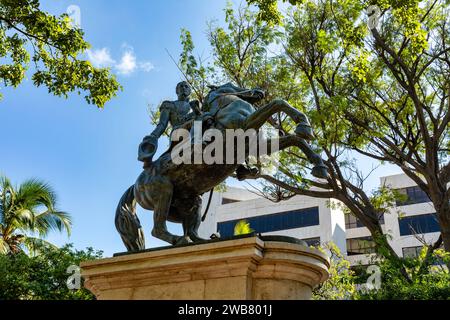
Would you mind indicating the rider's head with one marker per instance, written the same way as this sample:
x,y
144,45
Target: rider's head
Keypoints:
x,y
183,90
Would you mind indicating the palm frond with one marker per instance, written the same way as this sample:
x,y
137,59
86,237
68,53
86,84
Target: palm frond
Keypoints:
x,y
52,220
30,208
36,245
23,219
4,248
2,215
4,182
33,193
6,195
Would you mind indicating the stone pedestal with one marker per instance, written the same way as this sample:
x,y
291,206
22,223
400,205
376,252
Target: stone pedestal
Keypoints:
x,y
238,269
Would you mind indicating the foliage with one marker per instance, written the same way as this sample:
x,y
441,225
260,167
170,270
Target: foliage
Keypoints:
x,y
431,283
28,209
268,10
242,227
382,92
197,73
55,47
240,50
341,283
44,276
430,279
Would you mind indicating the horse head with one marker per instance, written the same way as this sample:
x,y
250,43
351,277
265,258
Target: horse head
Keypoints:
x,y
250,95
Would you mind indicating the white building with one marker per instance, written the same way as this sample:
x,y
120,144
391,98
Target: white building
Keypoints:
x,y
418,219
316,221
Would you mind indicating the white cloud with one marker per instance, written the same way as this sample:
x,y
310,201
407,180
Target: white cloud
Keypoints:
x,y
100,58
127,64
146,66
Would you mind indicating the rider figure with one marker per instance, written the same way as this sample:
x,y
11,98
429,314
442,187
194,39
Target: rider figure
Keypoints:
x,y
176,113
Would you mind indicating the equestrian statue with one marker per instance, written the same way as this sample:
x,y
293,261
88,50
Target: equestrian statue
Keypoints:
x,y
173,190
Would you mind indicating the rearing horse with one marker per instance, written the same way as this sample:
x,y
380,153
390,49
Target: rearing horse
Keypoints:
x,y
173,191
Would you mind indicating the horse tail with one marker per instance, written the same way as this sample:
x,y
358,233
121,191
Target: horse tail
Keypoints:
x,y
127,222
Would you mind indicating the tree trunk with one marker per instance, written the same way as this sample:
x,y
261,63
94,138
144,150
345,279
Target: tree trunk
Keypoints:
x,y
445,232
446,240
443,215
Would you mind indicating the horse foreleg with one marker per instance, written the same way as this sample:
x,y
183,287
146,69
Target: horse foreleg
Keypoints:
x,y
320,169
258,118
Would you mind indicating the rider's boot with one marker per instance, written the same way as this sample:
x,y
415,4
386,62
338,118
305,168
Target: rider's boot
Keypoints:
x,y
304,131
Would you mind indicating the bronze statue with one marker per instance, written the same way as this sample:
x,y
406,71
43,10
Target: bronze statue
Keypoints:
x,y
176,113
173,191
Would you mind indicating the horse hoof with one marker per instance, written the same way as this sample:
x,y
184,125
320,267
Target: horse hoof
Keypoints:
x,y
196,238
244,173
320,172
304,131
182,240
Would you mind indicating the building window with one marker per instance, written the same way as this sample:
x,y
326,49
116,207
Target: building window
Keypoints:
x,y
226,201
425,223
411,252
312,242
361,245
352,222
414,252
412,195
274,222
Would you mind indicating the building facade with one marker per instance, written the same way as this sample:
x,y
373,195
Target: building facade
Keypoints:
x,y
409,224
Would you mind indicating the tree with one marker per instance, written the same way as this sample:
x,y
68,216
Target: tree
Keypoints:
x,y
55,47
404,107
45,276
29,208
281,76
320,64
387,88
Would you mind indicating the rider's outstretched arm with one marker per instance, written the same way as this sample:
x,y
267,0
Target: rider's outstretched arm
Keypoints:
x,y
162,124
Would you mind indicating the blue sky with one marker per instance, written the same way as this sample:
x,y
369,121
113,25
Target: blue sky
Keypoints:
x,y
89,155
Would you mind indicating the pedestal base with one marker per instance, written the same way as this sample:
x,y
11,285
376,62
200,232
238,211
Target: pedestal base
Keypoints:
x,y
238,269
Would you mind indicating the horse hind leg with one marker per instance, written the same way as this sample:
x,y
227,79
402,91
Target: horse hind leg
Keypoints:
x,y
162,194
258,118
192,221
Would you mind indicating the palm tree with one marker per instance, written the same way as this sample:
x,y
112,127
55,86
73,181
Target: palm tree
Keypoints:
x,y
28,209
